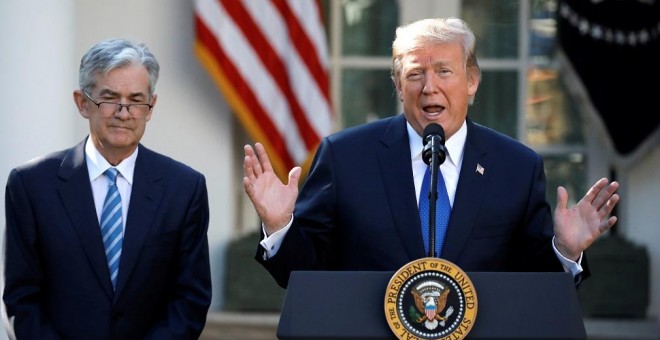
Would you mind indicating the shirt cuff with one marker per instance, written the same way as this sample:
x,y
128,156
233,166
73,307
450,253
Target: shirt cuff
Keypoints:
x,y
272,243
570,266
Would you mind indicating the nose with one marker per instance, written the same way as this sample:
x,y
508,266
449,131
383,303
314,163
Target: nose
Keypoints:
x,y
120,113
429,83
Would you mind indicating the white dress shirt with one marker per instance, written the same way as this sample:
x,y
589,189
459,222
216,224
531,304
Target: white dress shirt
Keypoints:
x,y
450,168
96,166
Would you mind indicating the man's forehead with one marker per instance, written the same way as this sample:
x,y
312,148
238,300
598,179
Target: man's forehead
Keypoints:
x,y
427,58
439,54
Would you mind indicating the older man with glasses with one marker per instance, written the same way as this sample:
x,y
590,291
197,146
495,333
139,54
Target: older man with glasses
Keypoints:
x,y
107,239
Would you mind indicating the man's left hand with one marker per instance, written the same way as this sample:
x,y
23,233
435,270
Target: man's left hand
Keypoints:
x,y
578,227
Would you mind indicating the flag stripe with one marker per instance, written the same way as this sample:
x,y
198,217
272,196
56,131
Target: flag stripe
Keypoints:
x,y
310,16
250,82
269,58
304,86
304,46
249,112
273,63
241,54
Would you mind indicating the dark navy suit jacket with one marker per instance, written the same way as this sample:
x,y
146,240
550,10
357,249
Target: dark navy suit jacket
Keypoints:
x,y
57,283
358,210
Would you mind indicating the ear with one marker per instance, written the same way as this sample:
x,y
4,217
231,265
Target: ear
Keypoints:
x,y
473,80
397,86
81,103
154,99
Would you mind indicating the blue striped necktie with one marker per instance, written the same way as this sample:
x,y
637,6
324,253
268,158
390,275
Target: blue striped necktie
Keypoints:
x,y
111,226
442,211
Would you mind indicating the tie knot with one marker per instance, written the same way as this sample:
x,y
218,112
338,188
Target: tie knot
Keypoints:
x,y
112,175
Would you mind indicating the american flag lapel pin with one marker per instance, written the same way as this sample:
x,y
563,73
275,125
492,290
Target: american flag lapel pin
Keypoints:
x,y
480,169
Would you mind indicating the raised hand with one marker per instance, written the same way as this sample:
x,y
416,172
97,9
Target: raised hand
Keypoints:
x,y
273,200
578,227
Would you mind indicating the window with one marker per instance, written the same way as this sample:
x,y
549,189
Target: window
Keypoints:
x,y
361,34
522,92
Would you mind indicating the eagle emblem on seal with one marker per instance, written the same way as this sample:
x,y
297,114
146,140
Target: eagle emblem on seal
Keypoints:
x,y
430,300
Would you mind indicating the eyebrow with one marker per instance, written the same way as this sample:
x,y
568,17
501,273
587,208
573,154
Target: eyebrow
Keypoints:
x,y
105,92
442,63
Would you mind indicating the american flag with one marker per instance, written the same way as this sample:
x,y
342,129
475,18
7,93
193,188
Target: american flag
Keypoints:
x,y
480,169
270,60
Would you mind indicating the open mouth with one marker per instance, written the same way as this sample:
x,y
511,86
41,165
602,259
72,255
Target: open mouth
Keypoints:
x,y
433,109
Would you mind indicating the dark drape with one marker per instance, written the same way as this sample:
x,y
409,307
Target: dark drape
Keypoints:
x,y
614,47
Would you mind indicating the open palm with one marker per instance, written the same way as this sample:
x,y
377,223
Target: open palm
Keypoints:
x,y
273,200
578,227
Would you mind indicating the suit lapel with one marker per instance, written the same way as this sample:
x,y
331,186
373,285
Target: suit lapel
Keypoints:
x,y
394,158
469,195
146,193
76,193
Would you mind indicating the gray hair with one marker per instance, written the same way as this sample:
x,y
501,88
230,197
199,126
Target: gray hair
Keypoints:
x,y
433,31
111,54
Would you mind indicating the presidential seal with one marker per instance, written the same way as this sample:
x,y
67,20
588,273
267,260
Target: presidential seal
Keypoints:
x,y
430,298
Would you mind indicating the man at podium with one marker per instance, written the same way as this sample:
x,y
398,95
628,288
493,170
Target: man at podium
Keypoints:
x,y
360,206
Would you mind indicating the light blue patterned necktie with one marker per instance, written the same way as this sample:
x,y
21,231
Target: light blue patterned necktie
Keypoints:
x,y
442,211
111,226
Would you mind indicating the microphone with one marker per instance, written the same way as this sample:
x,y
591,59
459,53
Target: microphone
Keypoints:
x,y
434,143
433,154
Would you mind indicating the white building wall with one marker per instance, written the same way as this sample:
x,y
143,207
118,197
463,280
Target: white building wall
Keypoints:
x,y
36,79
642,222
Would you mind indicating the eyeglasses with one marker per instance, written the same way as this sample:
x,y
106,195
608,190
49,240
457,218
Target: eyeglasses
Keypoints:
x,y
109,109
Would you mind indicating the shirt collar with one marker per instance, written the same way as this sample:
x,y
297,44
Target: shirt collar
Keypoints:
x,y
454,145
97,165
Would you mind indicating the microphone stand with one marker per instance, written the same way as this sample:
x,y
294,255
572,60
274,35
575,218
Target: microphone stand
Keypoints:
x,y
433,191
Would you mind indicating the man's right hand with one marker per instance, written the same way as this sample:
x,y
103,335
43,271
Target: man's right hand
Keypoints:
x,y
273,200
